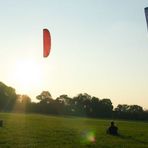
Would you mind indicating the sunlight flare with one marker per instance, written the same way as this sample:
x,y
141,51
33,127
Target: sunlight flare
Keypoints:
x,y
27,75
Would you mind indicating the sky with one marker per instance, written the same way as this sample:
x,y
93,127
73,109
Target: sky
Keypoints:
x,y
99,47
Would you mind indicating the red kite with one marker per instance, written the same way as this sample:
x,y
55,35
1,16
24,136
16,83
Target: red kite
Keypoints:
x,y
146,14
46,42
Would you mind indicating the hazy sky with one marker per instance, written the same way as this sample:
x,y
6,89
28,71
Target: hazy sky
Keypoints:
x,y
98,46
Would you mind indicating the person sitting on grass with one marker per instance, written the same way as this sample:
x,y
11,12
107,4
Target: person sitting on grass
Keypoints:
x,y
113,130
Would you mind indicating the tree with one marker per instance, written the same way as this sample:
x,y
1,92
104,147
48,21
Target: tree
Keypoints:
x,y
95,107
129,108
7,97
135,109
24,99
64,99
106,107
80,104
46,104
124,108
44,97
63,104
22,104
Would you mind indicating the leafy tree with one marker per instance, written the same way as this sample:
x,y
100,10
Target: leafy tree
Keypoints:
x,y
80,104
24,99
64,99
64,104
46,104
95,107
22,104
135,109
105,107
122,108
129,108
44,97
7,97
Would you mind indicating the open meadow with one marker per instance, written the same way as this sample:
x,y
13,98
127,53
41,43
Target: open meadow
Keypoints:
x,y
41,131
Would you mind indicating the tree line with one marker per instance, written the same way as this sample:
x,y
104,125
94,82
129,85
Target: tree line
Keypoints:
x,y
83,105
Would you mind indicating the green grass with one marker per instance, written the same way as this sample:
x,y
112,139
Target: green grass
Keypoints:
x,y
39,131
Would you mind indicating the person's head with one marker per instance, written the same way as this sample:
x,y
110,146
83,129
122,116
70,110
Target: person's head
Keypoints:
x,y
112,123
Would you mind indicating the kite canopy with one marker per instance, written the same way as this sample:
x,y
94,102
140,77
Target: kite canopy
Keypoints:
x,y
146,14
46,42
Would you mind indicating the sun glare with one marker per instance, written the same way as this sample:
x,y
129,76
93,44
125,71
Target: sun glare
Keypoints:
x,y
27,75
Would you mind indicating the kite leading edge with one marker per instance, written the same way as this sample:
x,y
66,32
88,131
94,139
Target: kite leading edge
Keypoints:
x,y
46,42
146,14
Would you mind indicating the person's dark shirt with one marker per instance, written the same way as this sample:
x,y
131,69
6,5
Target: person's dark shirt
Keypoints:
x,y
113,130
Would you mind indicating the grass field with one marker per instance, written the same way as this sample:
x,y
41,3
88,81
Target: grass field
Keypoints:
x,y
39,131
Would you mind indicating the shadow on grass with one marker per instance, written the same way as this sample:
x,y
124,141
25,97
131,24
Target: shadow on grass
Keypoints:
x,y
132,138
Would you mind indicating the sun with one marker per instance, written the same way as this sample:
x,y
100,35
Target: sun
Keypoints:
x,y
27,75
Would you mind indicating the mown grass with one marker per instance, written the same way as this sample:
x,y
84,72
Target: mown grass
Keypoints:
x,y
40,131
